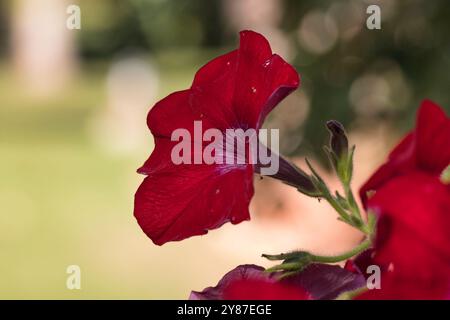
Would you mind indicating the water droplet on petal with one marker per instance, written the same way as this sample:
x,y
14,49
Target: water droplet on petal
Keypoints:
x,y
391,267
228,63
253,90
217,191
266,63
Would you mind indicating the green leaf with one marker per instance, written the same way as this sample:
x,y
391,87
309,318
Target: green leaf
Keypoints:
x,y
342,201
290,266
285,256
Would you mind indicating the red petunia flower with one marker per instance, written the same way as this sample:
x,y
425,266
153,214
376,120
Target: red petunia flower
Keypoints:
x,y
250,282
236,90
425,149
412,244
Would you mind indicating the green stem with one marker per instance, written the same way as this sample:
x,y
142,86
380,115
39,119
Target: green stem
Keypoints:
x,y
285,267
353,218
336,206
351,201
333,259
345,217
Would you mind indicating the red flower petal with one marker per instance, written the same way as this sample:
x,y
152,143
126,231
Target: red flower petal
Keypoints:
x,y
433,138
242,272
361,263
235,90
413,230
326,282
317,281
264,80
393,288
400,160
251,289
421,203
427,148
250,282
413,241
189,200
239,89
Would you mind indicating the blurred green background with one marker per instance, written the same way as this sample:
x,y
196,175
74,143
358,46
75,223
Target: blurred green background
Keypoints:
x,y
73,106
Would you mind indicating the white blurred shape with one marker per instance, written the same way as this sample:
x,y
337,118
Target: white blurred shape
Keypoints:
x,y
369,94
131,85
288,117
349,17
260,16
242,14
386,89
318,32
278,40
42,46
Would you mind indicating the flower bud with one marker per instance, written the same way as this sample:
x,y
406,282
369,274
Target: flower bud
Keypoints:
x,y
338,139
292,175
339,153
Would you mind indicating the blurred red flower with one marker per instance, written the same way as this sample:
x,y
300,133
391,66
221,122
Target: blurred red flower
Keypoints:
x,y
412,244
251,282
250,289
236,90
